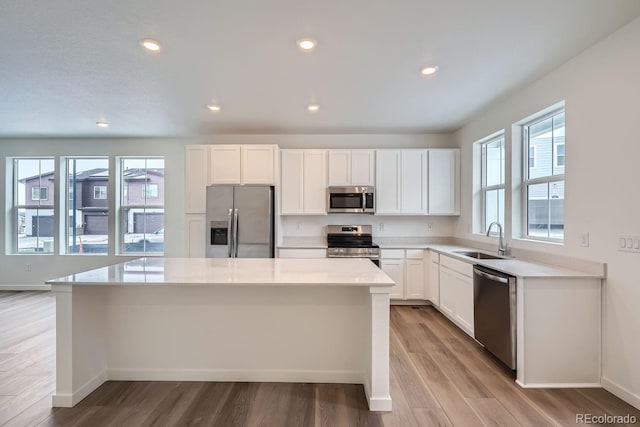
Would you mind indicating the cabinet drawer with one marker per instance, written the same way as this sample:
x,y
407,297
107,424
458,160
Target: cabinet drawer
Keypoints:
x,y
302,253
415,253
434,256
392,253
461,267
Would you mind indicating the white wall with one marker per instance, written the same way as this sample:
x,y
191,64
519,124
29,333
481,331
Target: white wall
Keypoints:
x,y
44,267
601,87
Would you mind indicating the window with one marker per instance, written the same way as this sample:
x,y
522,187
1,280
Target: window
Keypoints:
x,y
150,191
39,193
100,192
87,210
33,205
492,172
543,183
142,204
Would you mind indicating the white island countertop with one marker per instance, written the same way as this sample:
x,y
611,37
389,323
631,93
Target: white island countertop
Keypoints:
x,y
234,271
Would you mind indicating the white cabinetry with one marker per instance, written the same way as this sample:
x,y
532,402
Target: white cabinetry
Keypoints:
x,y
394,268
432,285
406,268
241,164
456,292
444,181
401,177
195,178
351,167
303,182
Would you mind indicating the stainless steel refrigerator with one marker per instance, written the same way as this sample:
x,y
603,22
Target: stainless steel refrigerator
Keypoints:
x,y
240,221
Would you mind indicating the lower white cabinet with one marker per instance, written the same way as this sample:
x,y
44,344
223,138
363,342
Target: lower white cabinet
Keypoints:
x,y
432,284
406,268
456,292
395,269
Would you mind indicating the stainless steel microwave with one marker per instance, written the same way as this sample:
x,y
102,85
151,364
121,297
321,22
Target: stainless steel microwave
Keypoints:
x,y
350,200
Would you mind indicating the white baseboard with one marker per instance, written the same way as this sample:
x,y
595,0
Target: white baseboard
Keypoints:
x,y
621,392
559,385
379,404
25,287
225,375
69,400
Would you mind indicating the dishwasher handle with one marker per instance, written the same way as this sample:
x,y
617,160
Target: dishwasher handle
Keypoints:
x,y
491,276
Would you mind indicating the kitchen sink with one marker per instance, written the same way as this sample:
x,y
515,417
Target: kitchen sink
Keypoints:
x,y
478,255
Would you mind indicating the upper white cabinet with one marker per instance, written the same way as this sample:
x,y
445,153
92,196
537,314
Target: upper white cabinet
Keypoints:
x,y
195,178
351,167
303,182
241,164
444,182
401,177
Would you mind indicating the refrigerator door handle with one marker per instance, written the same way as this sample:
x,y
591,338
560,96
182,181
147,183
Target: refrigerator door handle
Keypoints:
x,y
230,232
235,233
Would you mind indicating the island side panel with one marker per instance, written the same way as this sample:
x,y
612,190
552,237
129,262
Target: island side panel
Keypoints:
x,y
237,333
559,319
377,381
81,361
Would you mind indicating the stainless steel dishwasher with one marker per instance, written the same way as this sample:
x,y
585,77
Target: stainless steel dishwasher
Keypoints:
x,y
494,316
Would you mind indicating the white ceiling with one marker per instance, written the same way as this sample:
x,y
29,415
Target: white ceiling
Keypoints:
x,y
66,64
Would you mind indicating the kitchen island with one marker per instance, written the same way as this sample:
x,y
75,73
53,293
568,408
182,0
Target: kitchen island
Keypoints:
x,y
206,319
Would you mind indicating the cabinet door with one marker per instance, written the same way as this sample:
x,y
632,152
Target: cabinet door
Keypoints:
x,y
434,283
315,182
363,167
414,278
444,191
258,164
394,269
464,302
448,291
196,235
195,178
339,167
224,164
291,185
388,181
413,182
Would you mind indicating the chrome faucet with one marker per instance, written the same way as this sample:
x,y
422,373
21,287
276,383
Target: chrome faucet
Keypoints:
x,y
502,248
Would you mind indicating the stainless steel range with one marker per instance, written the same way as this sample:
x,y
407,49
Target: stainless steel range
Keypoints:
x,y
352,241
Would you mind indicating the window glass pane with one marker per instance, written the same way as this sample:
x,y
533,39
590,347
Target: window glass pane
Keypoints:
x,y
494,207
88,207
144,230
556,204
538,210
494,152
35,230
143,205
34,182
541,137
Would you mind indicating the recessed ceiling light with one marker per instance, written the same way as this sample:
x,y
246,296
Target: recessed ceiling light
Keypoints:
x,y
313,107
213,107
151,45
306,45
102,124
428,70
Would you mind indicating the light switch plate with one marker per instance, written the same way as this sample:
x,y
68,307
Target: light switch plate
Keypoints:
x,y
584,240
629,243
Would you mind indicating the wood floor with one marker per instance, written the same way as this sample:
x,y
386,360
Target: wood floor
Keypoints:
x,y
439,377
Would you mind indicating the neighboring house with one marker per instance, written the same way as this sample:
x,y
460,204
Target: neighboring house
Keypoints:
x,y
88,200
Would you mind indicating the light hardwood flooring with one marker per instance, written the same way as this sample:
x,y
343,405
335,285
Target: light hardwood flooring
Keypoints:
x,y
439,377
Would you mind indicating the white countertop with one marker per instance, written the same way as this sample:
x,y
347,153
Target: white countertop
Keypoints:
x,y
513,266
234,271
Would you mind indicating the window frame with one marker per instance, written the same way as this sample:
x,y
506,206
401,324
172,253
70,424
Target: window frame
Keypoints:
x,y
484,188
16,206
124,192
526,182
103,190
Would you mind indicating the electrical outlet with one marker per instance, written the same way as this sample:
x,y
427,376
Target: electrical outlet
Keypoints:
x,y
298,226
429,226
381,226
584,240
27,268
